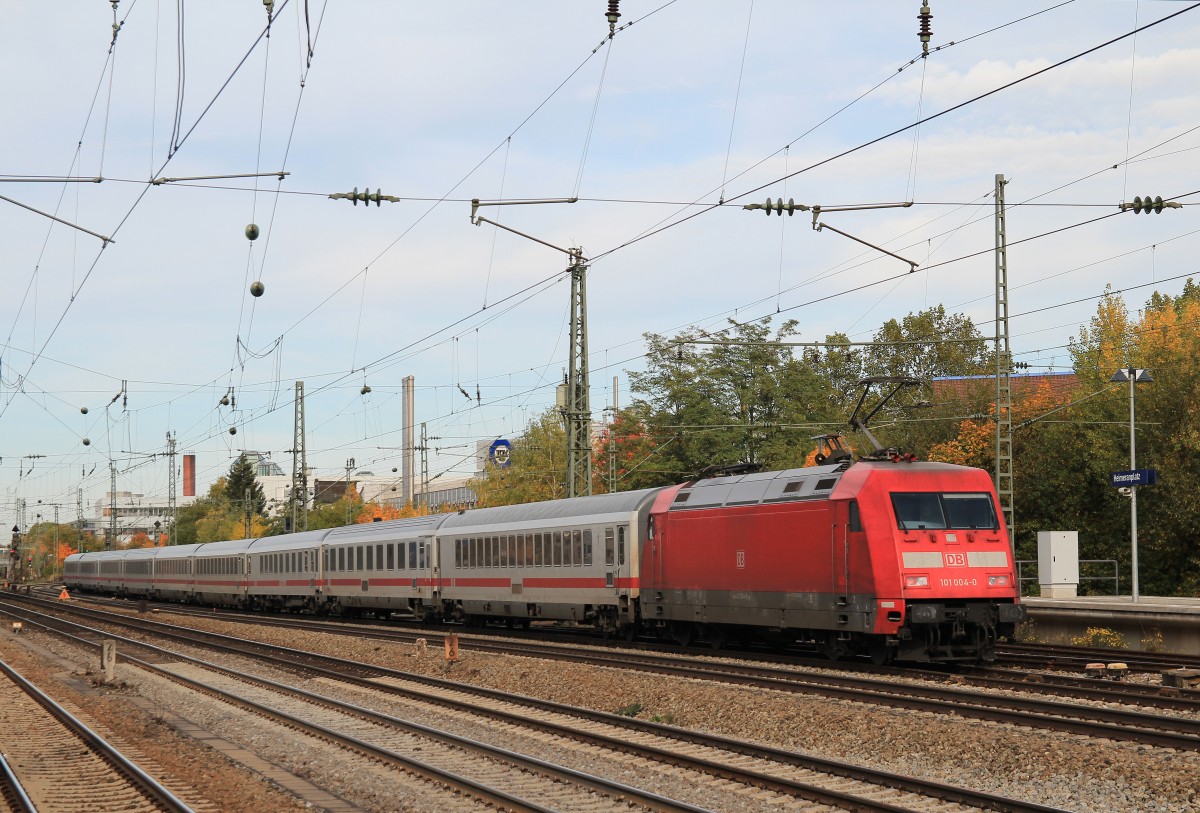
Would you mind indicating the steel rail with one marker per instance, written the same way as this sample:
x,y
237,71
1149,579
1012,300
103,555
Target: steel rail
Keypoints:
x,y
11,790
844,800
645,798
1096,721
146,784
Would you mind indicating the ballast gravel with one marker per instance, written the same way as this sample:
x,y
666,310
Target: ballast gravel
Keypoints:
x,y
1053,769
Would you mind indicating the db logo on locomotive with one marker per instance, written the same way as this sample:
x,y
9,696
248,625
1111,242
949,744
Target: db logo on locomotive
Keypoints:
x,y
954,559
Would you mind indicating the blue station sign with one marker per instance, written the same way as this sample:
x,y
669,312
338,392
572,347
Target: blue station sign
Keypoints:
x,y
1137,477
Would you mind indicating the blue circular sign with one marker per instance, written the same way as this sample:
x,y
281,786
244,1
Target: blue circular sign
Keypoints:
x,y
500,453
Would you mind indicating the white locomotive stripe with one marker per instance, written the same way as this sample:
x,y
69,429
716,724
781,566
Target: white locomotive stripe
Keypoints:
x,y
922,559
987,558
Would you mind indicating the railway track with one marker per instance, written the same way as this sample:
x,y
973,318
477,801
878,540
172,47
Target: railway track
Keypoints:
x,y
712,763
42,742
1179,732
1075,686
1076,658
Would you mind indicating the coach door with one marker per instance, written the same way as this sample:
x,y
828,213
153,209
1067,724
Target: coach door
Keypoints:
x,y
428,566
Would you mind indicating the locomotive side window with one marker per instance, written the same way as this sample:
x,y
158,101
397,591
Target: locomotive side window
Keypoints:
x,y
609,547
855,519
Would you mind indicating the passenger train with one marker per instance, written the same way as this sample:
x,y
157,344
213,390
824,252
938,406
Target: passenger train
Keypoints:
x,y
887,557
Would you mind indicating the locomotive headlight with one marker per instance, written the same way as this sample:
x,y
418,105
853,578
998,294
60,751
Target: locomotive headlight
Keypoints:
x,y
998,581
916,581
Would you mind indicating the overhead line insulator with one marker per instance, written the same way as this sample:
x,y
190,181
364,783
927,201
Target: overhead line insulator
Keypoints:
x,y
366,196
612,15
778,206
925,33
1148,205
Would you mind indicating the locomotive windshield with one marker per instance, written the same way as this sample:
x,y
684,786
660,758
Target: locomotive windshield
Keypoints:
x,y
920,511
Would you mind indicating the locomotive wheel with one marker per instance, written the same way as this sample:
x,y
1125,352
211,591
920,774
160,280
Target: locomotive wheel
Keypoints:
x,y
833,648
682,632
716,637
879,651
629,632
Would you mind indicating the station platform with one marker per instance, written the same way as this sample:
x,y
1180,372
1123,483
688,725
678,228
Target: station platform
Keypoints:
x,y
1169,624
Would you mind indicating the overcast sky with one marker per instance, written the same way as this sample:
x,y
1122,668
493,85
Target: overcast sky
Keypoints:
x,y
438,103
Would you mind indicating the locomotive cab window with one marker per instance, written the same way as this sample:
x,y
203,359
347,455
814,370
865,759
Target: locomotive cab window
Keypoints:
x,y
933,511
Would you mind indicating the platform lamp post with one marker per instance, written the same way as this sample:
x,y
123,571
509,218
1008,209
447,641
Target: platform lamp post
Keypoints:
x,y
1133,376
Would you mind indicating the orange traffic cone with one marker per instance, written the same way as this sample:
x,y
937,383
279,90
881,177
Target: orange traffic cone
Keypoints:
x,y
64,595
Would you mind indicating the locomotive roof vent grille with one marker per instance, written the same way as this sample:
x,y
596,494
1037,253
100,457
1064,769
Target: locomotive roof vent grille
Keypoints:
x,y
683,496
826,484
793,487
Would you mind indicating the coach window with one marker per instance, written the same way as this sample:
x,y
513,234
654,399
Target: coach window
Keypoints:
x,y
391,556
358,558
502,560
379,557
512,550
412,555
497,543
421,554
610,547
621,545
587,546
577,547
558,555
370,557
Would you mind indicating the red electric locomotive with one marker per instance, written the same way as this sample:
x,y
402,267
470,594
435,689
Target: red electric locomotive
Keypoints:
x,y
894,559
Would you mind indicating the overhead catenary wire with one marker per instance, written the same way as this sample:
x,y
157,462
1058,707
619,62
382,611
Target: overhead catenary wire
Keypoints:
x,y
905,128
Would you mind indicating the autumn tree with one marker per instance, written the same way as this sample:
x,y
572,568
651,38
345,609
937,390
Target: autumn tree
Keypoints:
x,y
1062,460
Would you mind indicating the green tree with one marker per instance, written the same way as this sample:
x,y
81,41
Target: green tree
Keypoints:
x,y
740,395
221,514
241,482
537,466
929,344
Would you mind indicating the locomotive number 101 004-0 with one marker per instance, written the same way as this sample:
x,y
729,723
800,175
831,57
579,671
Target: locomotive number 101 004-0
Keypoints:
x,y
959,582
